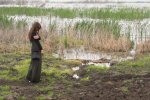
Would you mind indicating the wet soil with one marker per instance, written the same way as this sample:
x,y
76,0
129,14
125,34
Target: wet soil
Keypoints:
x,y
100,86
110,87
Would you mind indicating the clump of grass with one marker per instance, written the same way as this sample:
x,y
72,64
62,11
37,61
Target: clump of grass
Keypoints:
x,y
72,63
41,97
21,68
5,22
85,79
4,90
21,24
124,90
97,68
57,73
139,66
5,74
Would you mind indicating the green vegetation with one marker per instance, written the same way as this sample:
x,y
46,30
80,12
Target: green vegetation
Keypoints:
x,y
85,79
58,71
21,68
5,22
125,90
97,68
90,27
72,63
53,70
4,91
104,13
140,66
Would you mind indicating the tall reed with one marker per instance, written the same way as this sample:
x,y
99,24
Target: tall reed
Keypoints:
x,y
95,13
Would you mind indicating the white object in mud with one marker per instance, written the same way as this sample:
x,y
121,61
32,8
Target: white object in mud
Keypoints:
x,y
100,64
75,68
130,58
75,76
133,52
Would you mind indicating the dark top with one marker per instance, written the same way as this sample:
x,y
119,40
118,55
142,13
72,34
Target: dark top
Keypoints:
x,y
36,46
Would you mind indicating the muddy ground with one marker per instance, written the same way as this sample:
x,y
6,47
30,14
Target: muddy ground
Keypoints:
x,y
93,84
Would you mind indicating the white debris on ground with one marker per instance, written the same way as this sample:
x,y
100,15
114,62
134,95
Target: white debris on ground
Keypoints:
x,y
76,76
75,68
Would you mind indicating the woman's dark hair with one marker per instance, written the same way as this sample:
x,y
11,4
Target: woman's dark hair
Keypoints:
x,y
35,27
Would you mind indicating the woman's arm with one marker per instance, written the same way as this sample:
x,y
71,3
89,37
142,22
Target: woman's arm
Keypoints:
x,y
35,36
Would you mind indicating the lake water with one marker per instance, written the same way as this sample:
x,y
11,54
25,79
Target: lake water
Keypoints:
x,y
81,5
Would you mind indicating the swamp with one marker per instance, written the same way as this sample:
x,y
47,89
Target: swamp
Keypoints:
x,y
93,49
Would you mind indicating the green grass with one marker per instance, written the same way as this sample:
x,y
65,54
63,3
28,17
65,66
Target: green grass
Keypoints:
x,y
57,73
55,70
140,66
4,91
5,22
72,63
85,79
87,27
125,90
97,68
11,69
41,98
4,74
104,13
95,13
22,68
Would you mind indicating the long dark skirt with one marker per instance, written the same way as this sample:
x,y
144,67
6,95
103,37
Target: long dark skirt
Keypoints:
x,y
34,72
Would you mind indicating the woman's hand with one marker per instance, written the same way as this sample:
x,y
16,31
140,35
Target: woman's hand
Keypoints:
x,y
36,37
42,51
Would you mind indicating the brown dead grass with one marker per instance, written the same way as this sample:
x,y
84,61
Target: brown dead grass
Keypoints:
x,y
17,40
144,47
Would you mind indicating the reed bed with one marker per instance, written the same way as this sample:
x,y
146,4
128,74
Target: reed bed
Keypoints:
x,y
102,35
95,13
17,40
143,47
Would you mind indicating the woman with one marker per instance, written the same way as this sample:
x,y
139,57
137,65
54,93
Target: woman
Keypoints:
x,y
34,71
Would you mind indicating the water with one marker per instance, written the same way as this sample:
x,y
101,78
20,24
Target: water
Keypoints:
x,y
91,57
77,3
